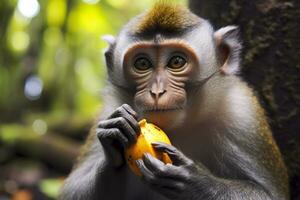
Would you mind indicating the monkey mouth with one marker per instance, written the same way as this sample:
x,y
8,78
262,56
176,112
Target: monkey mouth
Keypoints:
x,y
161,110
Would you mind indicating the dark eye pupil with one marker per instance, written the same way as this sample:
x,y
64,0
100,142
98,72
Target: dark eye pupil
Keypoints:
x,y
177,62
142,64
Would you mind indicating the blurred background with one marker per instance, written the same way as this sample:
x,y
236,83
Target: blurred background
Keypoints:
x,y
52,72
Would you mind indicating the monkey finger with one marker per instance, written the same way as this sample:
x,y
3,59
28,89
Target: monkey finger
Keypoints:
x,y
147,175
156,166
177,157
122,112
132,119
130,110
133,123
156,181
121,124
106,135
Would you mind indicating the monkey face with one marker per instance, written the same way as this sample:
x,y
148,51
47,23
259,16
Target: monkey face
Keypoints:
x,y
159,73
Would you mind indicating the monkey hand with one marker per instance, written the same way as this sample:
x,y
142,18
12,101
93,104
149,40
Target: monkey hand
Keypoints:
x,y
180,180
118,131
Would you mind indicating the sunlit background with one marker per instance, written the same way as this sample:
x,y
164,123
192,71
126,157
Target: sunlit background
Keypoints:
x,y
51,75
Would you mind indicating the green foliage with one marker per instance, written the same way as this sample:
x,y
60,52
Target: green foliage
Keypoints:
x,y
51,187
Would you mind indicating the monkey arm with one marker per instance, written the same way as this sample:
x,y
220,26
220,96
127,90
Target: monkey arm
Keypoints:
x,y
252,163
186,180
92,178
100,171
81,183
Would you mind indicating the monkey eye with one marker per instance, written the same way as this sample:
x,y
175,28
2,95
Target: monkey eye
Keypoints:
x,y
176,62
142,64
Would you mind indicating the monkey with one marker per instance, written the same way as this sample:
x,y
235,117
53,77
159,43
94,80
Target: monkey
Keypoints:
x,y
172,68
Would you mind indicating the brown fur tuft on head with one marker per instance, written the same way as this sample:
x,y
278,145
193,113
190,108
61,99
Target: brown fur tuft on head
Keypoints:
x,y
164,16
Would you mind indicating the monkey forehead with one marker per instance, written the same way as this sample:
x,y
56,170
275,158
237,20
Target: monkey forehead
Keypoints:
x,y
167,43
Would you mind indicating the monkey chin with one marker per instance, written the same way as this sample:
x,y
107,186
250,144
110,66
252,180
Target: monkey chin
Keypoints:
x,y
165,119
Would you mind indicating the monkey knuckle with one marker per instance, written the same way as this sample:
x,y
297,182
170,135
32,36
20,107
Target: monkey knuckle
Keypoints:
x,y
159,171
99,130
186,173
134,113
99,133
190,163
169,166
109,133
171,148
128,107
115,132
101,124
163,170
102,133
119,111
125,105
121,121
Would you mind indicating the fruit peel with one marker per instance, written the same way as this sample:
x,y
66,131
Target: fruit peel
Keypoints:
x,y
149,133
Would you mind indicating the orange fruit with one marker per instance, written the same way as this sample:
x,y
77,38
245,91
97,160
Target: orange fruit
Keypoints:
x,y
149,134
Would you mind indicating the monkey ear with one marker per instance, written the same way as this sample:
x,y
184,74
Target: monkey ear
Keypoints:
x,y
229,47
110,39
108,52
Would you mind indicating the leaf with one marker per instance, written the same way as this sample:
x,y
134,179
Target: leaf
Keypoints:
x,y
51,187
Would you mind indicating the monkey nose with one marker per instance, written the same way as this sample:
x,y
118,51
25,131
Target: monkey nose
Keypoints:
x,y
157,93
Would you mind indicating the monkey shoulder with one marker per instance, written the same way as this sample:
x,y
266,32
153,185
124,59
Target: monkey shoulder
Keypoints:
x,y
240,106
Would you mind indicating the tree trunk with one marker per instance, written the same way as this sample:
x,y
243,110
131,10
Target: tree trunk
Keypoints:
x,y
270,30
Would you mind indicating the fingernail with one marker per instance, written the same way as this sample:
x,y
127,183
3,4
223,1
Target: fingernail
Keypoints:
x,y
147,155
138,162
144,155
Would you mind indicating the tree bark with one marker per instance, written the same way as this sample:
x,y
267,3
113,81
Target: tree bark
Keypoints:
x,y
270,31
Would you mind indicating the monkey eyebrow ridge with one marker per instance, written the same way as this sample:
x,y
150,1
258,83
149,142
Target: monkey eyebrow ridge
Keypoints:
x,y
172,43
